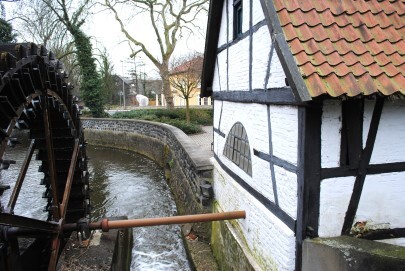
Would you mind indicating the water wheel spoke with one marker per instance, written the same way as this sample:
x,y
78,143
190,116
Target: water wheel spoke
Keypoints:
x,y
69,180
51,161
21,177
30,223
53,260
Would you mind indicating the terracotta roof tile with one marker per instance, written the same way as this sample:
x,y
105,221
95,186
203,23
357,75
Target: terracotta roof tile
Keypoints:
x,y
347,47
326,18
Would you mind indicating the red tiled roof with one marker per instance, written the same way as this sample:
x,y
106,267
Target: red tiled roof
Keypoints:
x,y
346,47
195,64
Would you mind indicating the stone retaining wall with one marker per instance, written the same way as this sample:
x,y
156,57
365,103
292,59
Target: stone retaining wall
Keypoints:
x,y
186,164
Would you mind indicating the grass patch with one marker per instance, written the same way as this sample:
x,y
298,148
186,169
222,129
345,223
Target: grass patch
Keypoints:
x,y
175,117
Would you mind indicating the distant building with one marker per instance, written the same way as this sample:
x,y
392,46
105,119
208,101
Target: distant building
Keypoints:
x,y
185,74
309,123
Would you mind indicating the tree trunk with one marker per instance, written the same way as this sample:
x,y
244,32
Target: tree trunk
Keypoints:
x,y
187,111
167,90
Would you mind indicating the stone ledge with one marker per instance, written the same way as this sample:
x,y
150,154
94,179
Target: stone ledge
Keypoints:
x,y
199,157
348,253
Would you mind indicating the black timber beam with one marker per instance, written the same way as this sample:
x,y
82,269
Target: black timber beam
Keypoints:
x,y
281,96
211,43
309,167
347,171
364,163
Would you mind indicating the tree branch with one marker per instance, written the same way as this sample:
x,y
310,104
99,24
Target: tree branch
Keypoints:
x,y
129,37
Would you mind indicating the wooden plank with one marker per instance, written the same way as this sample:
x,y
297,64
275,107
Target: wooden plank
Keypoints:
x,y
51,161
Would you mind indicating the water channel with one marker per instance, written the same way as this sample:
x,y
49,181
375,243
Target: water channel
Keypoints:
x,y
122,183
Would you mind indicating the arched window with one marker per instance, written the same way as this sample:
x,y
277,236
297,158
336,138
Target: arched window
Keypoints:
x,y
237,148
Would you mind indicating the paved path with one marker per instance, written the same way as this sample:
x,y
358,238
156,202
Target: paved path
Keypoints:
x,y
204,139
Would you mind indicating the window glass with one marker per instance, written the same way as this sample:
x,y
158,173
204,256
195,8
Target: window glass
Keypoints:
x,y
237,18
237,148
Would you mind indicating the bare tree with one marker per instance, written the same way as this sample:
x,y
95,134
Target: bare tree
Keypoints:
x,y
107,78
169,20
185,77
37,23
72,14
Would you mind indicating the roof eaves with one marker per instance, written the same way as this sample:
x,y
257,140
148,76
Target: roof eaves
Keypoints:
x,y
288,63
210,53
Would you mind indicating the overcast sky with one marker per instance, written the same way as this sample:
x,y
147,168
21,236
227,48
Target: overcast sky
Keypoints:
x,y
105,32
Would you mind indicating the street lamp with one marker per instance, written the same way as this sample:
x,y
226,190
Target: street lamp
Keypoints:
x,y
123,83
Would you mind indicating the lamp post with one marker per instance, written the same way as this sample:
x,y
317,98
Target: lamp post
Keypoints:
x,y
123,83
123,91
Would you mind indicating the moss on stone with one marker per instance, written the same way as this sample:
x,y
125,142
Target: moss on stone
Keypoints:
x,y
226,249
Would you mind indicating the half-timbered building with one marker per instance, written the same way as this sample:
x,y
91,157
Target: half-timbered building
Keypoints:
x,y
309,123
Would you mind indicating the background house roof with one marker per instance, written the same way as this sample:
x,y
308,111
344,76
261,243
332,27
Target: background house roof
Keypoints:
x,y
193,65
346,47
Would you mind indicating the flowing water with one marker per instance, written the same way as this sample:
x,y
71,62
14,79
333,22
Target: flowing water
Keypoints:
x,y
122,183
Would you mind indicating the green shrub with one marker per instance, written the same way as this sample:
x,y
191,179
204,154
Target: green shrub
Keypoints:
x,y
188,128
150,117
175,117
201,116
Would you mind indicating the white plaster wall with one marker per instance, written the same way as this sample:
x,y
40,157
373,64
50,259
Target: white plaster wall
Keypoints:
x,y
285,143
270,242
284,126
383,200
223,31
368,112
246,14
239,54
257,16
389,146
262,178
217,113
216,81
331,133
257,12
220,73
277,75
390,141
239,65
261,50
287,190
257,132
334,199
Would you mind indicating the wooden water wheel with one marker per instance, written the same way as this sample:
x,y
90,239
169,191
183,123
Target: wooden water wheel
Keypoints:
x,y
35,97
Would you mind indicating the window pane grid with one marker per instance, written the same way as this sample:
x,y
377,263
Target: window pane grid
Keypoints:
x,y
237,148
